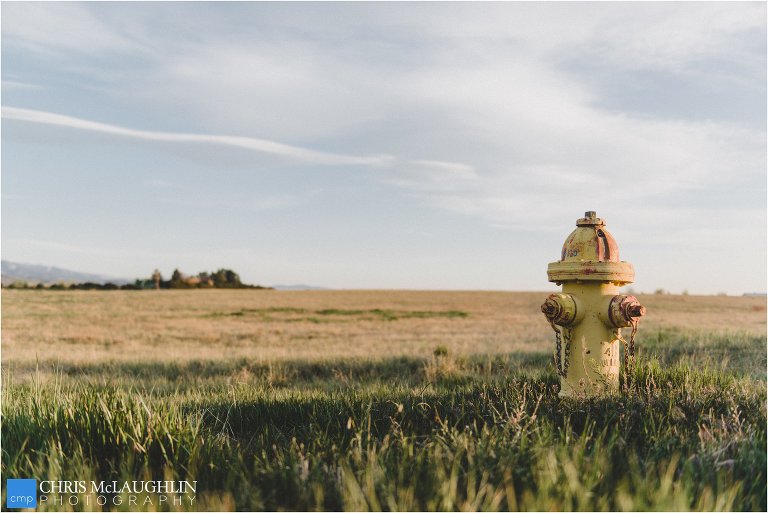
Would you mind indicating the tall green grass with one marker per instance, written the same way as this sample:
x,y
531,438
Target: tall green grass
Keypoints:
x,y
481,433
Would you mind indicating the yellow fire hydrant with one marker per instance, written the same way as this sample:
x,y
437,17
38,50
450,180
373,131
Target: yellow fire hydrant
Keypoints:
x,y
589,313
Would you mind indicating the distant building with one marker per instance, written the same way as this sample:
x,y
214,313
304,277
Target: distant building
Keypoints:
x,y
196,281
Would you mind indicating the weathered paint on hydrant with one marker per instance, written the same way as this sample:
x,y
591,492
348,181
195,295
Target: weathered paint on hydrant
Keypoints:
x,y
589,313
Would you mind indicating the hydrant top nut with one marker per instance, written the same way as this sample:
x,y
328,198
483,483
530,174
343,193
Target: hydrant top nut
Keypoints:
x,y
590,219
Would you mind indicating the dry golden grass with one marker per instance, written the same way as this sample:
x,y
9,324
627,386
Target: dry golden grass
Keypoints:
x,y
339,400
91,326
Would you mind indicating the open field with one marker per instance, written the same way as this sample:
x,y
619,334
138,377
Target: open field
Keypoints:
x,y
84,327
339,400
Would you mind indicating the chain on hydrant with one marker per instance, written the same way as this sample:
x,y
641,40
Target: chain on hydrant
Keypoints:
x,y
588,315
562,369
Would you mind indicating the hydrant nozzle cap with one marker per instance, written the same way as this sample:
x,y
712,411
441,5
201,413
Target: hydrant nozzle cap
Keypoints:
x,y
590,219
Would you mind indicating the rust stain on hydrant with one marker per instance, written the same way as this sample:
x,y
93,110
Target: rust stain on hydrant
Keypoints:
x,y
589,313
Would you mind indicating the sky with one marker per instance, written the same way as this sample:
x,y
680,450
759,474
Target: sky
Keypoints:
x,y
386,145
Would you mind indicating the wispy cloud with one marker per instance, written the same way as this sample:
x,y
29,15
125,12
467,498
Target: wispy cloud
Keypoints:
x,y
249,143
15,85
454,169
515,115
55,246
58,29
252,204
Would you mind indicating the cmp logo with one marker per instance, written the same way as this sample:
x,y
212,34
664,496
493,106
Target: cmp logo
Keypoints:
x,y
21,493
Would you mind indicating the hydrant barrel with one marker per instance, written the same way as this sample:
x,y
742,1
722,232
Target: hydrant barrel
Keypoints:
x,y
589,313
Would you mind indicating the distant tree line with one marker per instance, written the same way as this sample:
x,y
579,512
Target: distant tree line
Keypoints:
x,y
221,279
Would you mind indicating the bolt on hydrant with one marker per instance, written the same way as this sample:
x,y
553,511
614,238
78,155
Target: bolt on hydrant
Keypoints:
x,y
589,313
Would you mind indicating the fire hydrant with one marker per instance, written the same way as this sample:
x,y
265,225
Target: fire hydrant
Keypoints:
x,y
589,313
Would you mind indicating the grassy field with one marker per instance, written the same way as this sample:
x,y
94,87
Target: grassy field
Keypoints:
x,y
367,400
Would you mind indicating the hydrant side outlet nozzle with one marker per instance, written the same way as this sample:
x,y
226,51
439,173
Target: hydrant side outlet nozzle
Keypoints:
x,y
562,309
589,313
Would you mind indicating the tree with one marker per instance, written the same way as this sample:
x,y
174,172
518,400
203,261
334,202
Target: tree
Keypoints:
x,y
227,279
157,278
205,279
178,280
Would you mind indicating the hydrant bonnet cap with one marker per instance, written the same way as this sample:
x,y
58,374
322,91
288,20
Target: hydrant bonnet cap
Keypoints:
x,y
590,253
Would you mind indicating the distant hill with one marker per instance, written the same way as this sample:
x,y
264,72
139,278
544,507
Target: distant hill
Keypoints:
x,y
298,287
34,274
14,271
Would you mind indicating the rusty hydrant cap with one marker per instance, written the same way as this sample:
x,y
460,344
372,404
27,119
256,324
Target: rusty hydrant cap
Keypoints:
x,y
590,241
590,253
